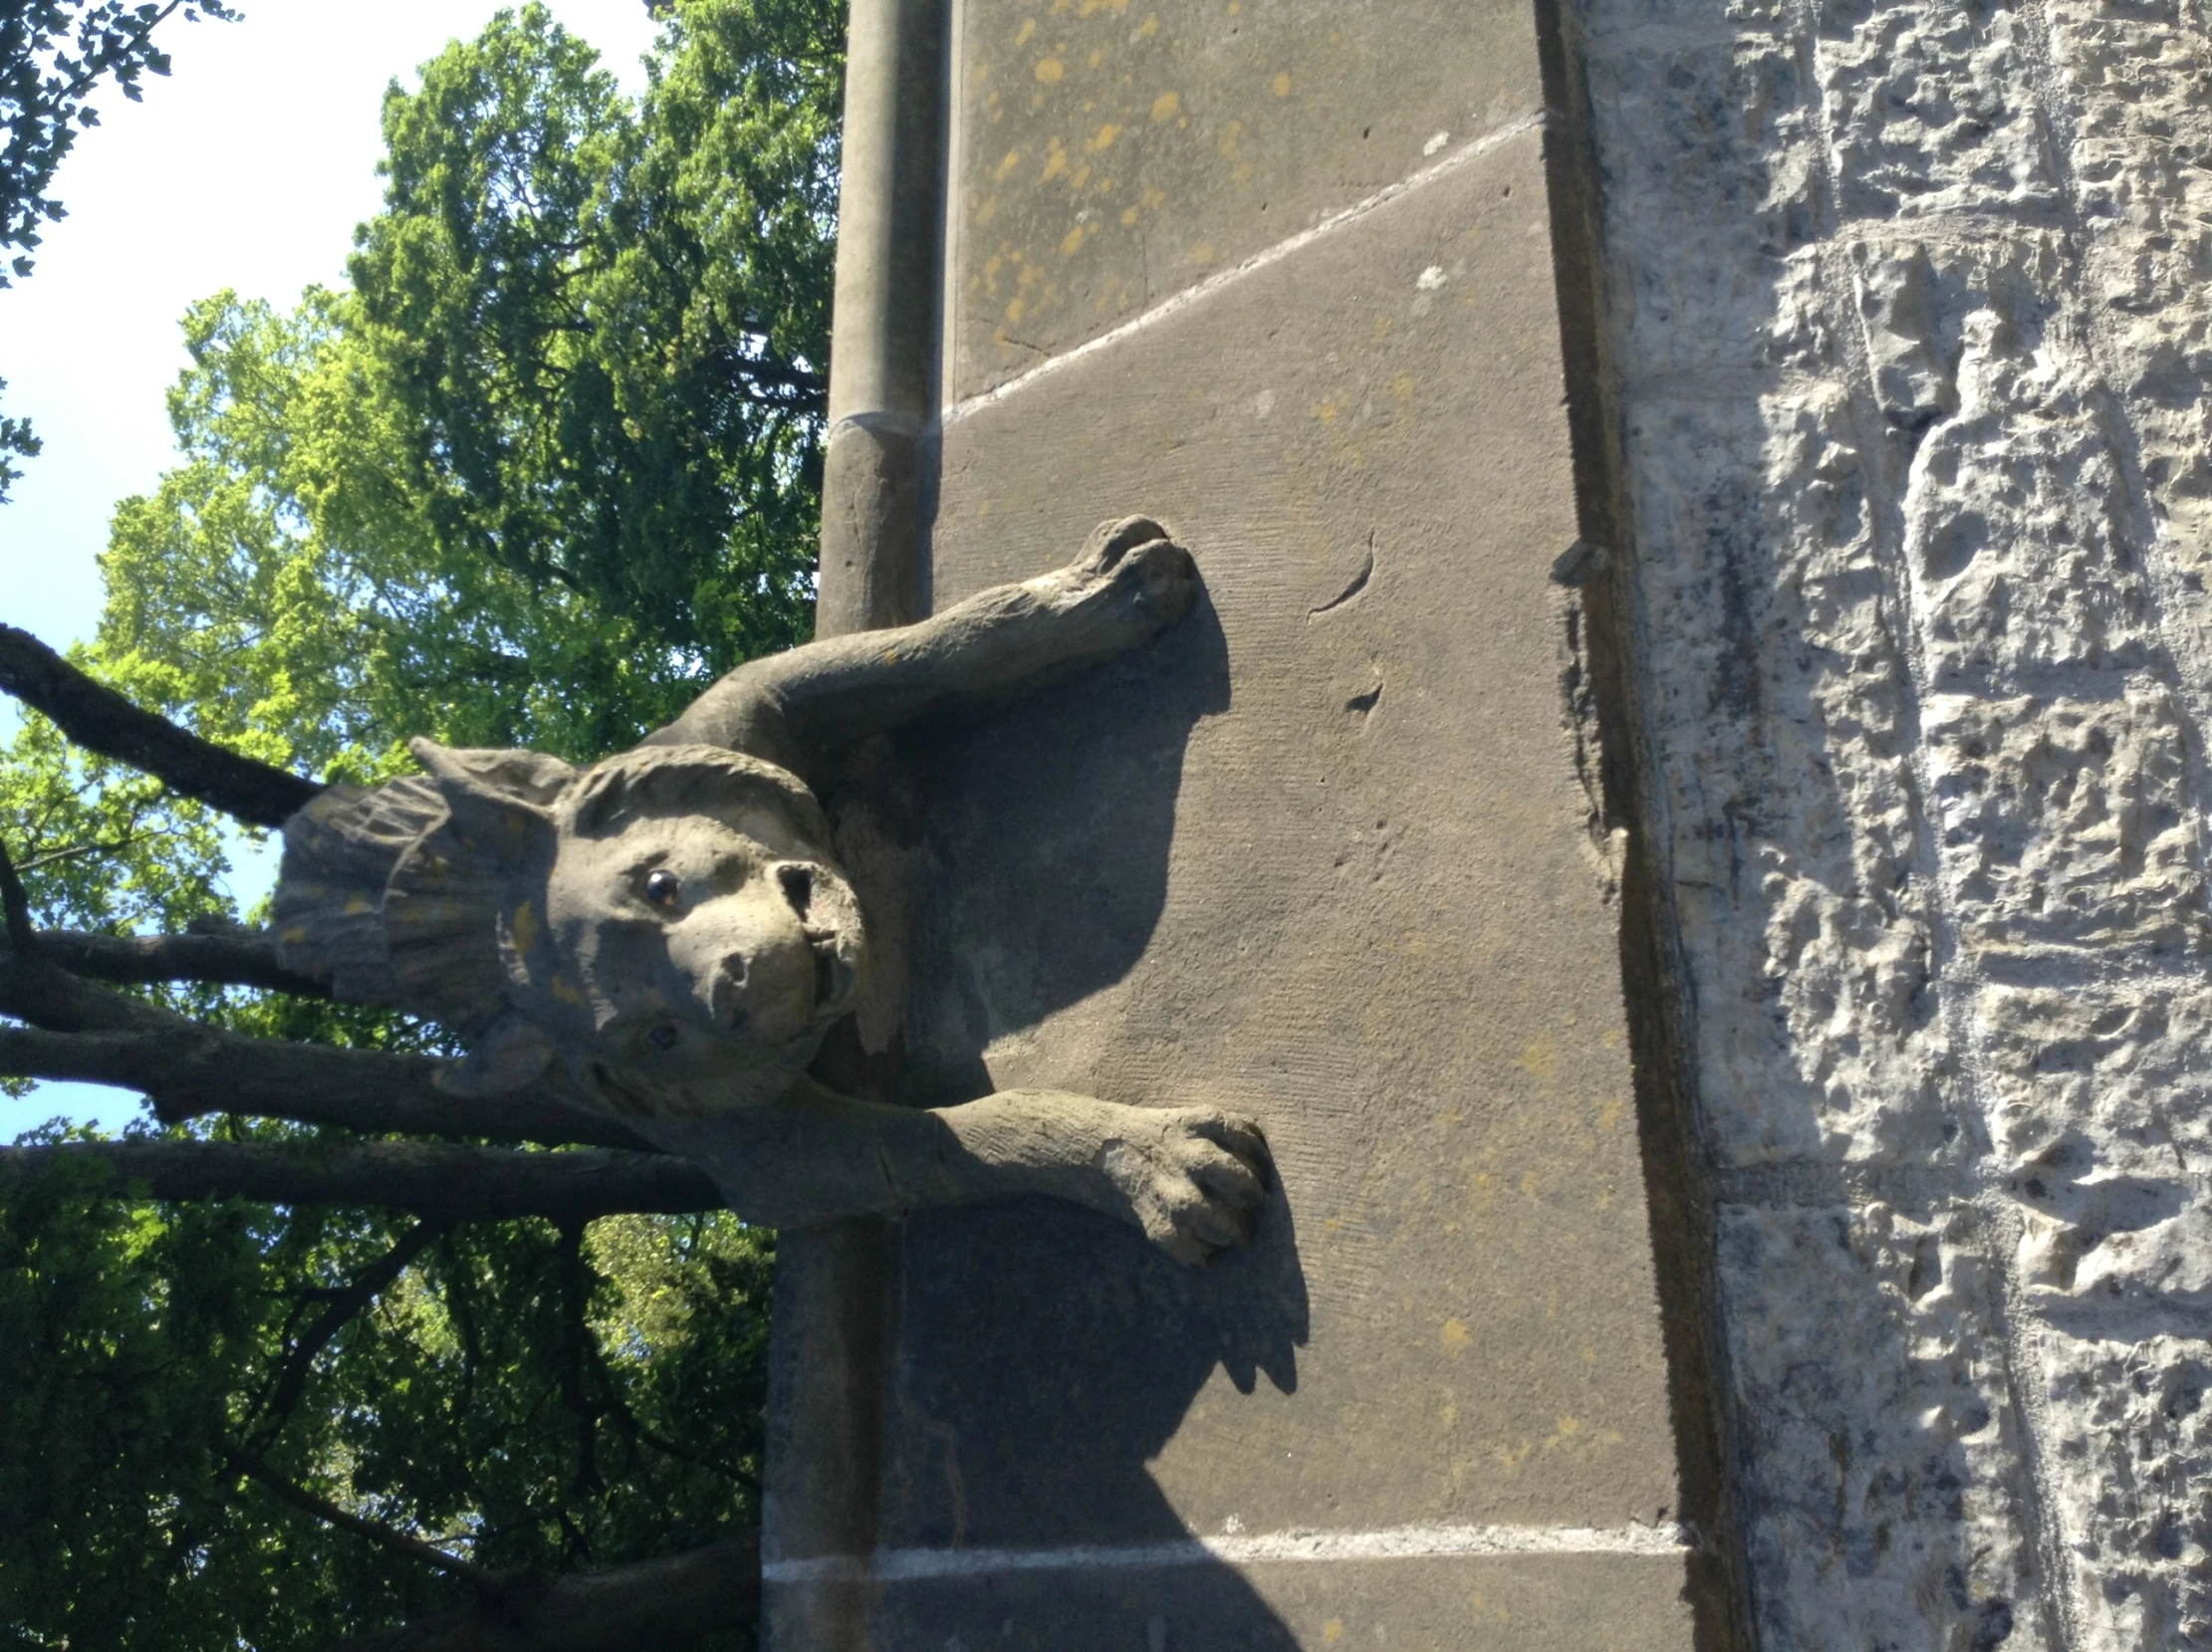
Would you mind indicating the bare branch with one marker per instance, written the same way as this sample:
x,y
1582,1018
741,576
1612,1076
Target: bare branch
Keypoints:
x,y
77,852
15,906
253,1467
668,1601
191,1071
101,720
360,1291
233,958
437,1179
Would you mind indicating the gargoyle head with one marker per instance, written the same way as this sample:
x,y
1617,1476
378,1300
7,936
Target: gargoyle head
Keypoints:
x,y
669,925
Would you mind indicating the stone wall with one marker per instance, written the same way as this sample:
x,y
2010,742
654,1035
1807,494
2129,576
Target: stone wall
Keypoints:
x,y
1280,275
1903,312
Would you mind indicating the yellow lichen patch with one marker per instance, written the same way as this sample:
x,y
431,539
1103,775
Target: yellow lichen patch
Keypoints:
x,y
564,989
1028,32
1541,1059
1014,312
1005,168
1333,1630
1050,70
1528,1183
1202,253
1229,138
986,209
1283,85
1102,140
1165,106
1450,1414
1153,199
1083,176
1129,215
1402,386
1055,160
1095,59
1458,1337
1071,242
524,928
1149,27
1609,1111
1243,173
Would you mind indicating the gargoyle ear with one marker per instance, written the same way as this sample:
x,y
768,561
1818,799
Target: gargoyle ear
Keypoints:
x,y
500,802
506,1055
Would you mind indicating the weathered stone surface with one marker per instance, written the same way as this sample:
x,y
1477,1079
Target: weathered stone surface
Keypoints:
x,y
2131,1450
1879,1430
1780,712
1324,856
1916,432
2067,822
1378,924
1111,155
1562,1603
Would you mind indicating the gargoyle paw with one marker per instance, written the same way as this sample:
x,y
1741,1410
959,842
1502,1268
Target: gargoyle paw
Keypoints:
x,y
1194,1177
1136,567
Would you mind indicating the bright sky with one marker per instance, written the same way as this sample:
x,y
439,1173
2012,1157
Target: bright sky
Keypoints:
x,y
248,167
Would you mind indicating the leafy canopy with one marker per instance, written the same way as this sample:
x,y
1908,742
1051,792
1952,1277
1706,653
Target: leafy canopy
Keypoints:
x,y
544,467
551,464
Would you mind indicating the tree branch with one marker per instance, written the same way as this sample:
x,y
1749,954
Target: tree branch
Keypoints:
x,y
15,908
668,1601
229,958
360,1291
413,1549
191,1071
101,720
436,1179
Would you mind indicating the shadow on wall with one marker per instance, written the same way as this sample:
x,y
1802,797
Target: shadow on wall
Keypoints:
x,y
1043,1354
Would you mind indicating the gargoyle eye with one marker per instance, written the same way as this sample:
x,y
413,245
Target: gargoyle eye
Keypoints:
x,y
663,1038
663,888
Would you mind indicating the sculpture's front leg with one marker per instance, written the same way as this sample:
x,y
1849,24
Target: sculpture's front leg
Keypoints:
x,y
1191,1178
1131,583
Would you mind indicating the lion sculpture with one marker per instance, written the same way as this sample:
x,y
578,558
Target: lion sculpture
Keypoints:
x,y
666,936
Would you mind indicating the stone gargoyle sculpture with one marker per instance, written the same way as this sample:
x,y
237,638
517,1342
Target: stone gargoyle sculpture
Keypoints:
x,y
666,935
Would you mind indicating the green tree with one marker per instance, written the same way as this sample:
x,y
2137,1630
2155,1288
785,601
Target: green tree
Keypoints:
x,y
276,1368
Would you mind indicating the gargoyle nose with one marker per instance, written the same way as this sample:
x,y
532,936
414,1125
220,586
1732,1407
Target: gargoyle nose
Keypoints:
x,y
729,990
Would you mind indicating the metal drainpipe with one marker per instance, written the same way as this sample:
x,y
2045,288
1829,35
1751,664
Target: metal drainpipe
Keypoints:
x,y
883,354
829,1362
